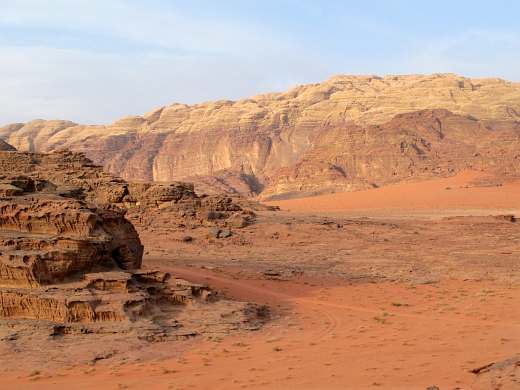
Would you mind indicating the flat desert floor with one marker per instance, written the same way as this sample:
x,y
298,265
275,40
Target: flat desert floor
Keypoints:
x,y
402,287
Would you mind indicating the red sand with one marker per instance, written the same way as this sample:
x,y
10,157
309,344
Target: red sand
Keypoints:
x,y
430,194
335,335
387,335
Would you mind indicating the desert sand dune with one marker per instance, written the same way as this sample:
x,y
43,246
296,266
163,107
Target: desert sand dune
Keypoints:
x,y
468,190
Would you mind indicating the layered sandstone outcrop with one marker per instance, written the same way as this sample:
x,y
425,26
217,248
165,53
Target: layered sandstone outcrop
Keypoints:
x,y
72,175
51,245
342,134
69,257
47,239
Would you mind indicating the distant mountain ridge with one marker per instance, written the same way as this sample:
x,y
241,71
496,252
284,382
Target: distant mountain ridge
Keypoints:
x,y
347,133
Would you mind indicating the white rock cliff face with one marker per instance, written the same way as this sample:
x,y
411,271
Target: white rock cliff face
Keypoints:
x,y
313,138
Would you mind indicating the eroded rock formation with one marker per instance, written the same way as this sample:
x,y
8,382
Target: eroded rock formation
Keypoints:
x,y
69,257
346,133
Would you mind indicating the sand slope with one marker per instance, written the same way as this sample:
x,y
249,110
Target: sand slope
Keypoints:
x,y
387,336
457,192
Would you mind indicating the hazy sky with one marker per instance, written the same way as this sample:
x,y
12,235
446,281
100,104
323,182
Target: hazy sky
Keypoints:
x,y
93,61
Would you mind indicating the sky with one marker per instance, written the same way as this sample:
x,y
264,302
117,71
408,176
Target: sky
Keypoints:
x,y
94,61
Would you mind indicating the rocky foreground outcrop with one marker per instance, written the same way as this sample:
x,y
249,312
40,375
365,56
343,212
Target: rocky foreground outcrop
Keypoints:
x,y
347,133
70,259
72,175
47,239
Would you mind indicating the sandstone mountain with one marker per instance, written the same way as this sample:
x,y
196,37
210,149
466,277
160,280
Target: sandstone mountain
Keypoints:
x,y
346,133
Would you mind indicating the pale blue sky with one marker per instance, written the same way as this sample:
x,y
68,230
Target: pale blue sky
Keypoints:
x,y
93,61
